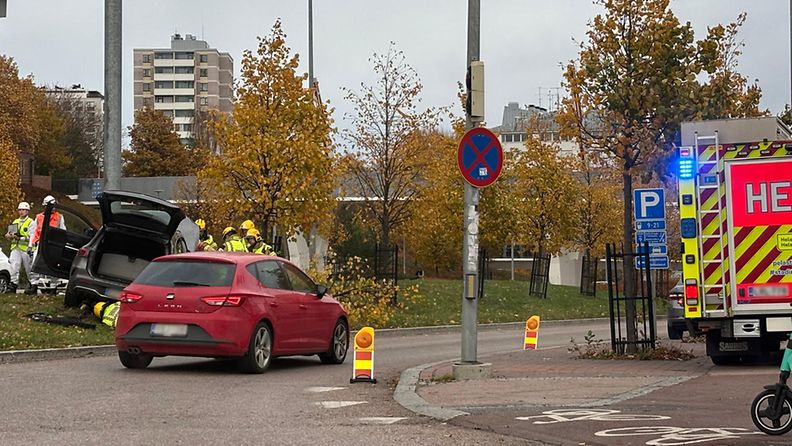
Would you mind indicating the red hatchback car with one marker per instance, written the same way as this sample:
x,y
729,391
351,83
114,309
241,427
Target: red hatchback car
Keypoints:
x,y
237,305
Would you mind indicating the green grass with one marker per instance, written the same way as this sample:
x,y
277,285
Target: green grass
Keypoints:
x,y
440,303
18,332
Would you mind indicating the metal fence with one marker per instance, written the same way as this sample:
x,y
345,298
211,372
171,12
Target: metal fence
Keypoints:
x,y
483,271
588,276
630,313
540,276
386,265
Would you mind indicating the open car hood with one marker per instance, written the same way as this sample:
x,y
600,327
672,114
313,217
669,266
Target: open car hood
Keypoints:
x,y
131,209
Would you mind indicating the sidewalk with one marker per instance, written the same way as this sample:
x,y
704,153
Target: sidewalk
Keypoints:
x,y
554,377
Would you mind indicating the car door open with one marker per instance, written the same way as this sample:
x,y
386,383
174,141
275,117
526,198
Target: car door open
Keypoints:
x,y
58,247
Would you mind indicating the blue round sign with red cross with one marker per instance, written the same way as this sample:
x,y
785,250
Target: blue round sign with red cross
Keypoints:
x,y
480,157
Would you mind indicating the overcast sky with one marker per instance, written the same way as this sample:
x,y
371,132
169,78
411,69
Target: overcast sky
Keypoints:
x,y
523,42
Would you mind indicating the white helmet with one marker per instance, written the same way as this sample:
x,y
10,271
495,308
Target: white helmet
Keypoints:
x,y
24,206
49,199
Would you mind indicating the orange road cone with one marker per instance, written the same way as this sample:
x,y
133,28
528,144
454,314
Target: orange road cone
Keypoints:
x,y
531,333
363,364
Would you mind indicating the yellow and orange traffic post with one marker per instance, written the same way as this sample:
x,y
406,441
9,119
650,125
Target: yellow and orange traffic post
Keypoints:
x,y
531,333
363,363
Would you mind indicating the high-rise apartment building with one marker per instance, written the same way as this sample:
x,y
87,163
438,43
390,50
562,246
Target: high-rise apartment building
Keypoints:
x,y
185,79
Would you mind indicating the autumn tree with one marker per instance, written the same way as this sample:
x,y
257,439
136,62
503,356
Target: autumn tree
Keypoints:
x,y
277,162
155,148
383,159
81,134
19,98
435,225
9,180
637,77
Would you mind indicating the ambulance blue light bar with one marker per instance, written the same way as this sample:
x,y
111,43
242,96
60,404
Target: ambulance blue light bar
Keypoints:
x,y
686,167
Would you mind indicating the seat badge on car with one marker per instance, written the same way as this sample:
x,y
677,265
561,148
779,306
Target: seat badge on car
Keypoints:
x,y
169,296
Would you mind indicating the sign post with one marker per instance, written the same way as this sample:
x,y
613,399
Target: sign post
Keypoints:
x,y
650,225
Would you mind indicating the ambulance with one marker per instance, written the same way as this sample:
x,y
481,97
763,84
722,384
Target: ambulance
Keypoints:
x,y
735,205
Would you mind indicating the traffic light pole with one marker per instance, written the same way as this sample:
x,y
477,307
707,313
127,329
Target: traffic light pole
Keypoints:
x,y
469,367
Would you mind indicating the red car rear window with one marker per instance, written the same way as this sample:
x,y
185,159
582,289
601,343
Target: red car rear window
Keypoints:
x,y
186,273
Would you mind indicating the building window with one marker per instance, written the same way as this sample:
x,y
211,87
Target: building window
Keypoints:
x,y
147,58
164,99
184,70
147,102
204,72
184,56
204,101
185,84
184,98
185,113
204,58
168,113
147,86
163,84
204,87
163,55
163,70
146,72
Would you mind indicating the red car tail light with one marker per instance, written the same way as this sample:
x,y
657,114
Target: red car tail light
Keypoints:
x,y
223,301
83,252
679,302
129,298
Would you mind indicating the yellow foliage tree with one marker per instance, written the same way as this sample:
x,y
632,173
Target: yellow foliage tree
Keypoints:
x,y
435,228
277,163
19,98
9,181
598,208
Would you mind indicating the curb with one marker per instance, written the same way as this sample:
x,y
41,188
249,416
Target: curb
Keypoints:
x,y
17,356
406,395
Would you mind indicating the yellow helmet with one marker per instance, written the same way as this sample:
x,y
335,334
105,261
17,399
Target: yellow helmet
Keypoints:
x,y
253,232
97,309
228,230
201,224
247,224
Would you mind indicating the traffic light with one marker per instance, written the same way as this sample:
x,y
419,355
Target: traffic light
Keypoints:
x,y
474,81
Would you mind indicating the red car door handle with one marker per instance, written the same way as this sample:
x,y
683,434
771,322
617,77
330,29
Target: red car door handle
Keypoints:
x,y
273,304
303,307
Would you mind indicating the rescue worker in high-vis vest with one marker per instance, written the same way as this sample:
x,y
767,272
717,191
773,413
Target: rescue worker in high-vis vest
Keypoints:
x,y
205,240
232,242
256,244
56,221
19,234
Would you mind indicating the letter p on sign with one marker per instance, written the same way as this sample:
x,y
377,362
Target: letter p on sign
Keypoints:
x,y
649,204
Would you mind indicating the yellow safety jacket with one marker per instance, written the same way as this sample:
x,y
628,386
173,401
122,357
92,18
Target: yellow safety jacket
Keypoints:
x,y
208,244
262,248
235,244
22,231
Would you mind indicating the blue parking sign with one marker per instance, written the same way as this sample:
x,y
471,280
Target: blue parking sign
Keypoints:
x,y
649,204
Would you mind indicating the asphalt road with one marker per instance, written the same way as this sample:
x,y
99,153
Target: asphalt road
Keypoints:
x,y
199,401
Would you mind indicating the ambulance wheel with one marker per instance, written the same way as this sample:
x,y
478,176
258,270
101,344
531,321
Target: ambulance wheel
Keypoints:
x,y
259,354
675,333
339,344
138,361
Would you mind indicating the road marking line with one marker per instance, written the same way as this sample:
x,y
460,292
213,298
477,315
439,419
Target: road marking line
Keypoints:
x,y
381,420
323,389
338,404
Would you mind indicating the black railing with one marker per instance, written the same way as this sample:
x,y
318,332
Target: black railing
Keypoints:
x,y
540,275
588,276
632,318
386,263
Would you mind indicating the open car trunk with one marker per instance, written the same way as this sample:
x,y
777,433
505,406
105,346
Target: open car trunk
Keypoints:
x,y
122,255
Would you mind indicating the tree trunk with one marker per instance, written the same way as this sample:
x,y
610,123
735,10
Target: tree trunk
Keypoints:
x,y
629,270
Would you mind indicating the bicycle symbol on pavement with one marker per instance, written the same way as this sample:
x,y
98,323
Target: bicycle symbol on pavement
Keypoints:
x,y
662,435
568,415
677,436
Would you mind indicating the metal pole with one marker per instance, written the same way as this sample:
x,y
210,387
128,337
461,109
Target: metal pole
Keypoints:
x,y
112,104
790,52
512,261
471,246
310,44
